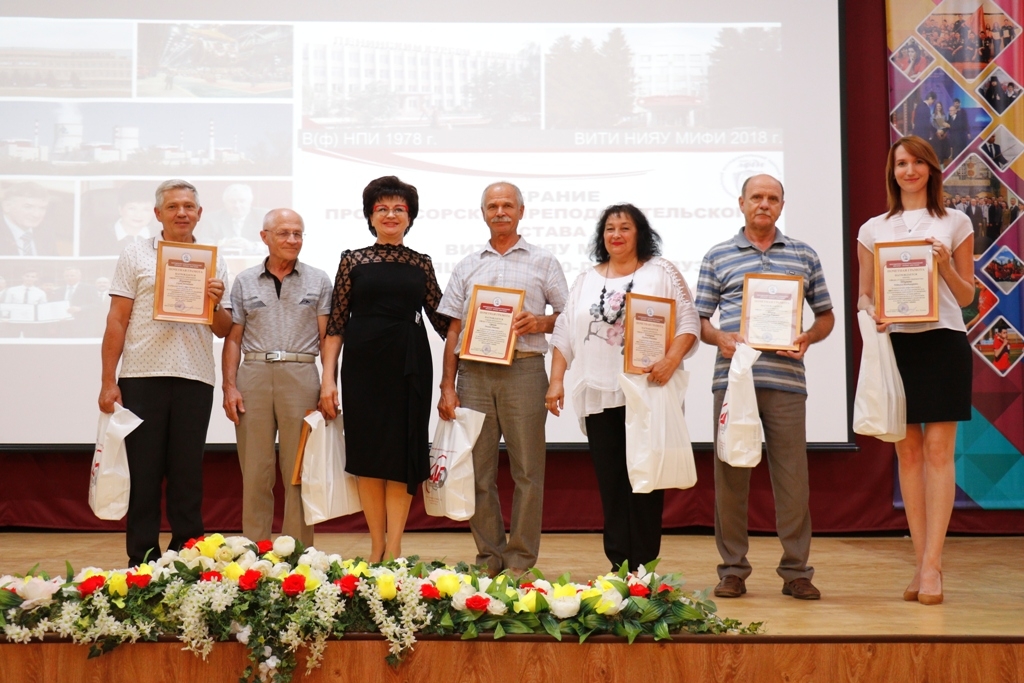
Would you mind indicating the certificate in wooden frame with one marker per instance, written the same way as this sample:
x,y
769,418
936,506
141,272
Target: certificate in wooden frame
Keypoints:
x,y
772,314
906,282
650,328
182,272
488,336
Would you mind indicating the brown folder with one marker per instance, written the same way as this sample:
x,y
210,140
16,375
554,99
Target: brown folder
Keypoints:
x,y
297,472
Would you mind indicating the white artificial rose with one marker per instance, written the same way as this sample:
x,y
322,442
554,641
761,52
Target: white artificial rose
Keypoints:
x,y
496,606
542,586
565,607
614,600
262,566
188,554
246,560
224,554
37,592
315,560
284,546
279,570
485,583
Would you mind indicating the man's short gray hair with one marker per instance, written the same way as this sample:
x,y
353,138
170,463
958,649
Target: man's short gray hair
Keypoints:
x,y
519,193
175,184
272,216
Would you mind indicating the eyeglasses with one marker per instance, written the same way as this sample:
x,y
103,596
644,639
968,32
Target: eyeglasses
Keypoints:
x,y
398,210
285,235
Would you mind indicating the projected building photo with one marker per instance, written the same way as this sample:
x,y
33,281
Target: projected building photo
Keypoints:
x,y
214,60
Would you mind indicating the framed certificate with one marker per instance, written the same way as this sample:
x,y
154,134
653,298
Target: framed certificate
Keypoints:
x,y
488,335
906,282
181,274
650,329
773,306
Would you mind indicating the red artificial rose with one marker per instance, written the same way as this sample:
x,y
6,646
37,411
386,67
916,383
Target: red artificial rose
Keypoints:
x,y
249,579
6,588
348,584
664,588
192,541
264,546
478,602
138,580
211,576
639,590
429,591
88,586
293,584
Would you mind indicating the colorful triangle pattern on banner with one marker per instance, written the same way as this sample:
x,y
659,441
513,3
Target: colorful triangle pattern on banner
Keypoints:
x,y
989,469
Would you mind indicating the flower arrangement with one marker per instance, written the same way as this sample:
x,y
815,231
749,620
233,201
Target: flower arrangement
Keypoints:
x,y
279,597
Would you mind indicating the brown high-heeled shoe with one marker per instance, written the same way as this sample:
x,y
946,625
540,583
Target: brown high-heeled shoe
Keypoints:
x,y
911,595
929,598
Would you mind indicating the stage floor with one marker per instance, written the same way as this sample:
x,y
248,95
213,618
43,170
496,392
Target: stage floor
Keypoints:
x,y
861,579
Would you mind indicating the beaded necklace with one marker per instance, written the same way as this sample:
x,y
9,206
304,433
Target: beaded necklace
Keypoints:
x,y
604,292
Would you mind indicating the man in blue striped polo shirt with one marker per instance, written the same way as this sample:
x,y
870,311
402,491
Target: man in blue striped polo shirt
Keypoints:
x,y
779,383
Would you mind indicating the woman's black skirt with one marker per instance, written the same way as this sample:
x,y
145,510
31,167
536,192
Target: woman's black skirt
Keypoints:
x,y
936,368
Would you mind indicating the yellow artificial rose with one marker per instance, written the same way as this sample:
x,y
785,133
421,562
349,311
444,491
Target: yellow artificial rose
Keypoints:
x,y
208,547
605,586
448,584
311,581
386,586
117,584
361,569
527,603
590,592
272,558
233,571
144,569
93,572
565,591
511,592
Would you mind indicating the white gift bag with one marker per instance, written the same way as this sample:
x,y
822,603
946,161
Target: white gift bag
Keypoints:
x,y
451,489
110,481
880,404
739,425
328,491
659,454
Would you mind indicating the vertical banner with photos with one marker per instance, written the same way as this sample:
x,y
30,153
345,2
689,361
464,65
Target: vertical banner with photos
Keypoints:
x,y
955,73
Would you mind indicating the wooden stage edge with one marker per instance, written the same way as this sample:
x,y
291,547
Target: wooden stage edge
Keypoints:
x,y
524,658
861,630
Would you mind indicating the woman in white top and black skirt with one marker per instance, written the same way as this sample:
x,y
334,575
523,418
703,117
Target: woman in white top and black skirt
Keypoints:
x,y
934,359
589,332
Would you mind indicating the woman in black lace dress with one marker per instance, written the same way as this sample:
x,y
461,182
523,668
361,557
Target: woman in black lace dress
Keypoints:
x,y
380,294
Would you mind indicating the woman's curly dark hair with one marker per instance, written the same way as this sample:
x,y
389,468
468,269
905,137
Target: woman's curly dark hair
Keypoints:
x,y
648,241
390,186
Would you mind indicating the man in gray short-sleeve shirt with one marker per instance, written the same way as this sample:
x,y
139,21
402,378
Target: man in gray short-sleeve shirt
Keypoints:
x,y
512,396
279,316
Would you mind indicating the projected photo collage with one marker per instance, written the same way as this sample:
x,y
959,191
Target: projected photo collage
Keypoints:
x,y
455,87
952,91
85,140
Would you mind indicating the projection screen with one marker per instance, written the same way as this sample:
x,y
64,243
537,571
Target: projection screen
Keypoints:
x,y
668,106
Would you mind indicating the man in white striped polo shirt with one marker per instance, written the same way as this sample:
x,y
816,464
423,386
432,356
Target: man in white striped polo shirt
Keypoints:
x,y
779,383
279,317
